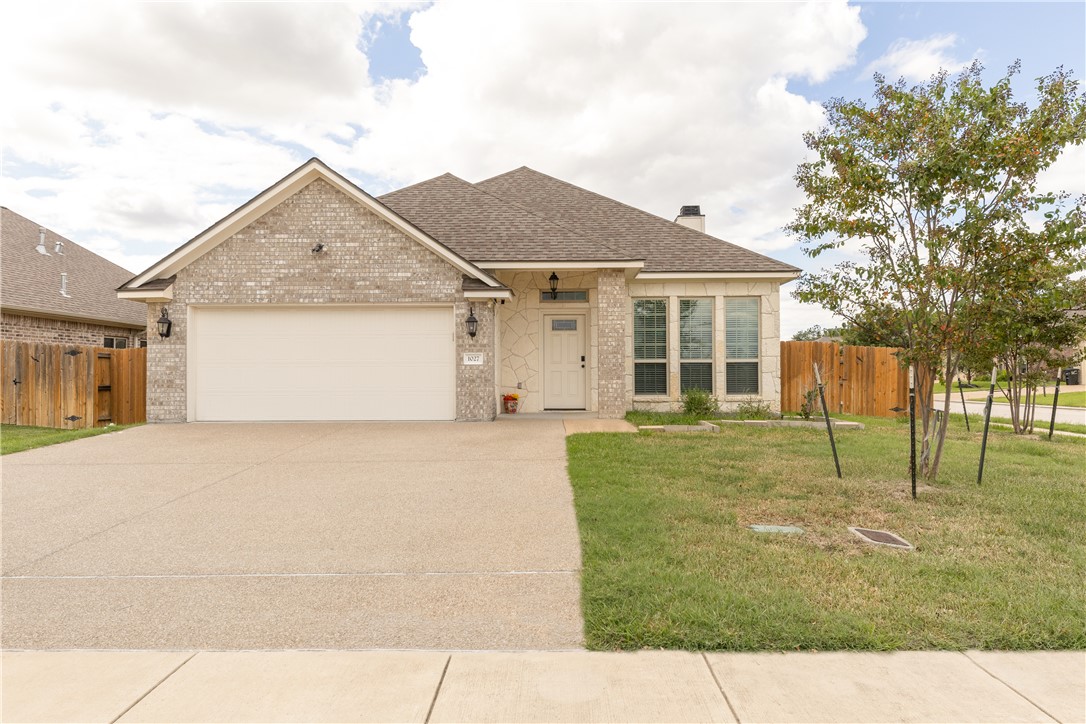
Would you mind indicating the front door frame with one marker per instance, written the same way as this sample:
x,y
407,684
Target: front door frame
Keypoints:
x,y
582,327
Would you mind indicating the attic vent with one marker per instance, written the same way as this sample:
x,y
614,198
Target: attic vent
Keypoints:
x,y
881,537
690,211
64,285
41,243
59,248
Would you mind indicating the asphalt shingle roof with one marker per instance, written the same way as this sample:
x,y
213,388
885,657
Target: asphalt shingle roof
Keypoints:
x,y
480,226
664,245
30,280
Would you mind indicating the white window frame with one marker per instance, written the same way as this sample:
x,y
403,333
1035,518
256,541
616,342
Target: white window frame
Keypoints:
x,y
712,342
757,359
665,360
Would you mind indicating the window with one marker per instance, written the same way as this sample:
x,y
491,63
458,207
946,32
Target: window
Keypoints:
x,y
696,344
143,343
567,295
650,346
741,346
115,342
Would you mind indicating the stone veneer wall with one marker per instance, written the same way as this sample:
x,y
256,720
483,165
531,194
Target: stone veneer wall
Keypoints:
x,y
768,295
522,329
25,328
365,261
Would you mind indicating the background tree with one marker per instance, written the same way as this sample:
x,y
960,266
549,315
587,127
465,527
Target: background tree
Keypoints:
x,y
1026,324
923,188
815,332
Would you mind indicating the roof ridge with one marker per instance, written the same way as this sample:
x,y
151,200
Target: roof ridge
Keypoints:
x,y
506,173
642,212
420,183
547,219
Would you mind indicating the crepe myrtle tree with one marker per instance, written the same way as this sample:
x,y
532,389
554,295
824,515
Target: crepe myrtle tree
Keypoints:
x,y
1030,324
919,190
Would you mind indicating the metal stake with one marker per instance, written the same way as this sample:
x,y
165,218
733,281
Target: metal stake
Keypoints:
x,y
987,419
912,428
826,415
965,410
1055,399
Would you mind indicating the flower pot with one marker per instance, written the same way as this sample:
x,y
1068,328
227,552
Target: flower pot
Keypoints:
x,y
510,406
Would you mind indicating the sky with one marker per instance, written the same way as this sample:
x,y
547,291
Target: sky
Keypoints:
x,y
131,127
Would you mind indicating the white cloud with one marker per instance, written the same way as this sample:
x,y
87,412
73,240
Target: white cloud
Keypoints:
x,y
918,60
137,125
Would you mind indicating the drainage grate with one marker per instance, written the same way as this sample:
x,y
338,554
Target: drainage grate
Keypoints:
x,y
881,537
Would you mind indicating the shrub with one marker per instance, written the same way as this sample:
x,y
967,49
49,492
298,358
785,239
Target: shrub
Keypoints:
x,y
808,406
754,409
700,402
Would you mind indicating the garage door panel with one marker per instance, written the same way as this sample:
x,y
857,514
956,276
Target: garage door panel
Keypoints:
x,y
337,363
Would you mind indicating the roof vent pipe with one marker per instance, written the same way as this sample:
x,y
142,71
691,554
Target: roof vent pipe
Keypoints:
x,y
692,218
59,248
41,243
64,285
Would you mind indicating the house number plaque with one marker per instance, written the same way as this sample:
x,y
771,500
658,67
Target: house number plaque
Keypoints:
x,y
473,358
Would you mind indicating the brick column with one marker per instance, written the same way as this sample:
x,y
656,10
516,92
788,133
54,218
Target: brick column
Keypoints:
x,y
613,296
475,384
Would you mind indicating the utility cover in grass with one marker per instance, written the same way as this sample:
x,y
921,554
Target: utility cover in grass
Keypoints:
x,y
881,538
776,529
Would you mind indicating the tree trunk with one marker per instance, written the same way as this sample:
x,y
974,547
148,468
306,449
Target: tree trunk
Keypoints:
x,y
932,470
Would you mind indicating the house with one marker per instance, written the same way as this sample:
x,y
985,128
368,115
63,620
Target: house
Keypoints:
x,y
54,290
317,301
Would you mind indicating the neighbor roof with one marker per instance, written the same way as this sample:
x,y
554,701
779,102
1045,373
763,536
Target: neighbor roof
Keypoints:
x,y
30,281
664,245
483,227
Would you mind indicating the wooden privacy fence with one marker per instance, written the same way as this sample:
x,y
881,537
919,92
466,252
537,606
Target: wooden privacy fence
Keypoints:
x,y
71,387
859,380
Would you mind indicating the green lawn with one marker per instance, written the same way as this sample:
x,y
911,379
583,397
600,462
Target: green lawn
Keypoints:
x,y
1067,399
669,561
16,438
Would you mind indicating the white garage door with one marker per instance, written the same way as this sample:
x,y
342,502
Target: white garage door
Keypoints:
x,y
326,363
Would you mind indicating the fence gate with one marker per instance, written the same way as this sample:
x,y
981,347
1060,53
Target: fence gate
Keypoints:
x,y
71,387
859,380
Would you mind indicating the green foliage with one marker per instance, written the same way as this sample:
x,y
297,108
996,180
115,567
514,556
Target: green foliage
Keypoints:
x,y
700,403
809,405
816,332
933,185
754,409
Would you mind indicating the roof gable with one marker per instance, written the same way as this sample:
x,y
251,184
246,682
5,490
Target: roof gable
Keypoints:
x,y
485,228
664,245
30,281
271,197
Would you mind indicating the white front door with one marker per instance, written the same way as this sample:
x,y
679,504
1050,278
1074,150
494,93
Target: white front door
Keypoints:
x,y
564,365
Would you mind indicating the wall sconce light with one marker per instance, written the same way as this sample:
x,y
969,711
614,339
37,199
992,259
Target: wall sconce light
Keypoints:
x,y
317,249
164,324
472,323
553,279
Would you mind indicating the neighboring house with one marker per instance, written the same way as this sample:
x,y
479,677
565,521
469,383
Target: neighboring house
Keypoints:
x,y
317,301
53,290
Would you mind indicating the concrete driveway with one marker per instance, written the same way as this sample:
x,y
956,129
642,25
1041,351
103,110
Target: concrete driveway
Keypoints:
x,y
268,536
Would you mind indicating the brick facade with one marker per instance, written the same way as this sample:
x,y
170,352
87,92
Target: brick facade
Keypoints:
x,y
614,300
24,328
365,261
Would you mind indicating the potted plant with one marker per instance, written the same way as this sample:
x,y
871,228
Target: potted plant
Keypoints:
x,y
510,402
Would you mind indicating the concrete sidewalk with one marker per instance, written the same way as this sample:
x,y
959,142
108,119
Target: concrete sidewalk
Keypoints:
x,y
577,686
